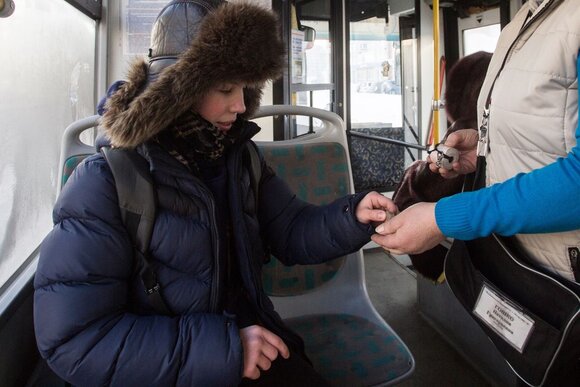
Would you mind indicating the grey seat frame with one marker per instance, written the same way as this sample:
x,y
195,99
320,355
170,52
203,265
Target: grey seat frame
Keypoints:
x,y
346,292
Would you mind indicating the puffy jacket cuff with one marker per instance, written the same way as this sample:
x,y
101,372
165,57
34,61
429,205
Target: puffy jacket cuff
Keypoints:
x,y
354,200
223,365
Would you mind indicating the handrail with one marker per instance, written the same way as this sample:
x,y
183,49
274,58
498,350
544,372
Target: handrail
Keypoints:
x,y
436,99
392,141
335,119
388,140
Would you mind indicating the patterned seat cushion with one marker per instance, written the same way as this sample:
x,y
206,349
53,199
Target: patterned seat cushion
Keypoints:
x,y
351,351
377,165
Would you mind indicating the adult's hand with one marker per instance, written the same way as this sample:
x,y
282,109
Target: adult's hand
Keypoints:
x,y
375,208
465,141
413,231
261,348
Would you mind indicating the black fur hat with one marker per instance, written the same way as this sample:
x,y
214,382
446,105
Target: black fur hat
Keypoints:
x,y
235,42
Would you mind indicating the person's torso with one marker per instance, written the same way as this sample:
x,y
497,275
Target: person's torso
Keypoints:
x,y
188,236
533,112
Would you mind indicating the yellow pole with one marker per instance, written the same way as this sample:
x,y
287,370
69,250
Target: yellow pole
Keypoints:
x,y
435,71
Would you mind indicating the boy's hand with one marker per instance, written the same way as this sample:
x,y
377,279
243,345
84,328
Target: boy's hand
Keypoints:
x,y
261,348
375,208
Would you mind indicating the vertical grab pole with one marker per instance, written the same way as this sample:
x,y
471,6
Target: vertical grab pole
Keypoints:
x,y
436,102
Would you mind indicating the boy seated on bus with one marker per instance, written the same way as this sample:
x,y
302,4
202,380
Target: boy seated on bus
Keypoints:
x,y
186,113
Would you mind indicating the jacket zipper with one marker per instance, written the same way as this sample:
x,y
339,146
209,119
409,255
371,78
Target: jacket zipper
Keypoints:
x,y
239,167
215,283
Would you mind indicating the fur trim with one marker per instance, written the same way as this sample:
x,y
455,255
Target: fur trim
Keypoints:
x,y
238,42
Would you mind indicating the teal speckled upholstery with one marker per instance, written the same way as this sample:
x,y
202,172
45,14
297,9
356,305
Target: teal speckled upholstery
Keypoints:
x,y
351,351
69,166
318,173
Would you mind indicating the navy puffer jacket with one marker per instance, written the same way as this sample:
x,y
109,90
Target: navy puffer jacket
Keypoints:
x,y
92,320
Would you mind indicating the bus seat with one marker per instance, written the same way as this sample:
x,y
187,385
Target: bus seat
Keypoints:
x,y
328,304
73,150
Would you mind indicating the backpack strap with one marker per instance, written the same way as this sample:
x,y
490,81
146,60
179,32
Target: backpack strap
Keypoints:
x,y
137,203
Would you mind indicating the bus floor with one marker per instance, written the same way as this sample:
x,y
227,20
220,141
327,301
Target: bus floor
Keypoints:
x,y
392,287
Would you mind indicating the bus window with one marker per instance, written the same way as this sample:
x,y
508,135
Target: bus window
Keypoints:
x,y
44,86
479,32
480,39
375,73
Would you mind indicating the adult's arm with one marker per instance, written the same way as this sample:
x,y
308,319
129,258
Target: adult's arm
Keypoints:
x,y
541,201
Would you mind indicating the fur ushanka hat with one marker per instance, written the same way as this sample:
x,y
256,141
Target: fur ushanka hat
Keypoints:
x,y
222,42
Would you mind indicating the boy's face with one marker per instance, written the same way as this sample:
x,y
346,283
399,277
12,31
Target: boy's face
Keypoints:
x,y
222,104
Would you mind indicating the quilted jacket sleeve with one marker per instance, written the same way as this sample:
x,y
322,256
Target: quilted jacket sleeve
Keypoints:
x,y
302,233
83,326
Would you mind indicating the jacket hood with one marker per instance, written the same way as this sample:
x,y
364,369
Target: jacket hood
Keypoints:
x,y
237,43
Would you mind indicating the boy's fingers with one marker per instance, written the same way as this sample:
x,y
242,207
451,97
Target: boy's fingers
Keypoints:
x,y
277,342
377,215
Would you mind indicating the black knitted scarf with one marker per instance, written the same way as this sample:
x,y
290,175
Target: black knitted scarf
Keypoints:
x,y
191,138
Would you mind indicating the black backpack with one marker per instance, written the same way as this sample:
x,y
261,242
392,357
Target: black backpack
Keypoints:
x,y
138,202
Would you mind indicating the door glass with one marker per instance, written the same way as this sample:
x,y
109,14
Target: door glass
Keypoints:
x,y
410,91
317,54
375,73
376,99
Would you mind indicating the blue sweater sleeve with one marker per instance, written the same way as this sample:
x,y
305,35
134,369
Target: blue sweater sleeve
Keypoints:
x,y
541,201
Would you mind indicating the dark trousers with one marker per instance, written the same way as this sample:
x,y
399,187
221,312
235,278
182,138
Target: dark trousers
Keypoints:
x,y
291,372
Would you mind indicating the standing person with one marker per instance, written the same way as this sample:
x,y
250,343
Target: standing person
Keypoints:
x,y
530,138
530,95
186,113
419,182
533,154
